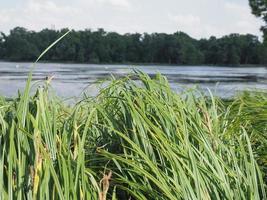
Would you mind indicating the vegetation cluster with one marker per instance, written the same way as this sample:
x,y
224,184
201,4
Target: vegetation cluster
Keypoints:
x,y
135,140
98,46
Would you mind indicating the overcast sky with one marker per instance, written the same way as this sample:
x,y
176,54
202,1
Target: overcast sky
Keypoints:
x,y
198,18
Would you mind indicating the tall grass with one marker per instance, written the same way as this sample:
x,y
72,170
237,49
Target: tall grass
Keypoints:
x,y
42,153
137,140
179,146
249,110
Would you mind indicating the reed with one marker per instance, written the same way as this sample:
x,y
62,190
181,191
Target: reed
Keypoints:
x,y
135,139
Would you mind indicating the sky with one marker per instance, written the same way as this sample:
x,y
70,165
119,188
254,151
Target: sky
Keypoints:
x,y
198,18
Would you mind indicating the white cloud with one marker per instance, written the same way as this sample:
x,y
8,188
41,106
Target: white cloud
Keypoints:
x,y
237,9
205,18
242,19
37,15
185,20
188,23
194,26
120,3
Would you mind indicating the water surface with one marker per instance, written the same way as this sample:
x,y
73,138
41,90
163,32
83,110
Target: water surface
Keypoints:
x,y
74,79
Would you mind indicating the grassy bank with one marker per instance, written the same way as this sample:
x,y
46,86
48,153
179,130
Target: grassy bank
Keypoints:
x,y
133,141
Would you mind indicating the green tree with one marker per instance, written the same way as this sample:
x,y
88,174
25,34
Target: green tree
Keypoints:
x,y
110,47
259,9
134,50
19,45
116,46
2,45
262,53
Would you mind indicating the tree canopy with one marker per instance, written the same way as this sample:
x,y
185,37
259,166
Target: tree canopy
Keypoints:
x,y
99,46
259,9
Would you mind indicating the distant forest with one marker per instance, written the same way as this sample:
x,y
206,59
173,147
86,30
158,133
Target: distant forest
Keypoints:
x,y
99,46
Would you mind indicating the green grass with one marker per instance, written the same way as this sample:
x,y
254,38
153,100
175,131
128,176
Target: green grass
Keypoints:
x,y
157,144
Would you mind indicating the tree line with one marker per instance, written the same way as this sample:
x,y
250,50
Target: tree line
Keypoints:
x,y
99,46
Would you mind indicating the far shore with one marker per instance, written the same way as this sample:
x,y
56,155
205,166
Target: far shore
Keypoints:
x,y
140,64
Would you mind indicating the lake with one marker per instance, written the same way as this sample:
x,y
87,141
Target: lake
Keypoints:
x,y
71,80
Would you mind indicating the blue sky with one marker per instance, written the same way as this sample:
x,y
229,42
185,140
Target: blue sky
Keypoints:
x,y
198,18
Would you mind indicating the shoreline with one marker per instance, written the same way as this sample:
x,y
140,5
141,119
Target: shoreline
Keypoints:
x,y
141,64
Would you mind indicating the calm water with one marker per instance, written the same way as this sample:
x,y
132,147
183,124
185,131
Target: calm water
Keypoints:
x,y
73,79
